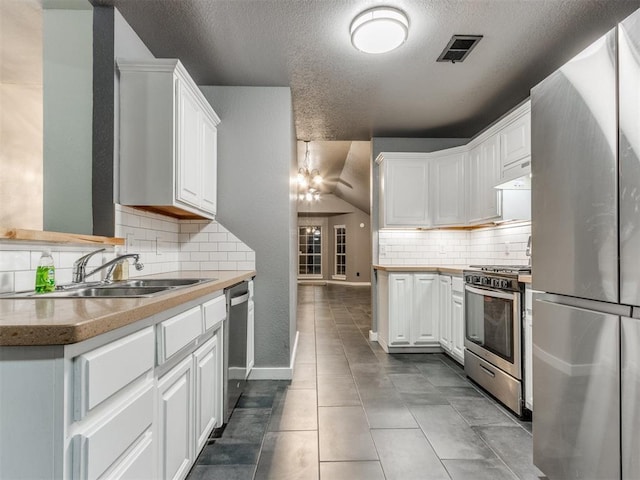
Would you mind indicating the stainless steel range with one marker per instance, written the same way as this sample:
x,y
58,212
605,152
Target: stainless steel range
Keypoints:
x,y
494,304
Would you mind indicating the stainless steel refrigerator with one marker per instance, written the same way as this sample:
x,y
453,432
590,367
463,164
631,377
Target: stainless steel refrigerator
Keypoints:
x,y
586,233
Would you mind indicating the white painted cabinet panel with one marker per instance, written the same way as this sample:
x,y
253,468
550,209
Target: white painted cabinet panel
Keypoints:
x,y
214,312
400,308
177,332
104,371
209,156
515,144
483,200
189,188
175,426
208,392
457,326
408,311
425,309
168,140
101,445
404,190
448,188
515,140
251,336
444,294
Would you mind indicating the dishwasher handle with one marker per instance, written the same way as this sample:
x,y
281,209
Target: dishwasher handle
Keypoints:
x,y
239,299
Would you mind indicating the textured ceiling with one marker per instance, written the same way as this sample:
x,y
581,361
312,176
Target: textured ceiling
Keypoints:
x,y
340,93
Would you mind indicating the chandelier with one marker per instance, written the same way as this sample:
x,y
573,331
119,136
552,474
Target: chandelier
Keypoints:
x,y
309,181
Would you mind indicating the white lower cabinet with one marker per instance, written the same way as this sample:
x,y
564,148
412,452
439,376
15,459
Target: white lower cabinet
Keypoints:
x,y
421,312
208,389
127,404
424,328
408,311
189,402
444,313
175,430
118,442
457,320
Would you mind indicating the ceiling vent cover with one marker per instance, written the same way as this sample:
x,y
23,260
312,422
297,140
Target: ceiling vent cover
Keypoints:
x,y
459,48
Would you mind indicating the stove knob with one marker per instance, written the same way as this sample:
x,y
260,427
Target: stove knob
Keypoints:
x,y
476,279
486,281
495,282
505,284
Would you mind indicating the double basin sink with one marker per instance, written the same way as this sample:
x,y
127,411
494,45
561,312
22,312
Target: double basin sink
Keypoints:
x,y
134,288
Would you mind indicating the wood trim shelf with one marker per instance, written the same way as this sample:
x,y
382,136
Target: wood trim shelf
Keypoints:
x,y
56,237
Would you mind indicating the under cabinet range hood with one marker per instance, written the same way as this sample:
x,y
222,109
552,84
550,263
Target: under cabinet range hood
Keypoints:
x,y
520,183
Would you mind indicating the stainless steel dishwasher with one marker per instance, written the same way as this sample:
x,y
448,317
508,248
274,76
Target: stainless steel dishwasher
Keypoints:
x,y
235,346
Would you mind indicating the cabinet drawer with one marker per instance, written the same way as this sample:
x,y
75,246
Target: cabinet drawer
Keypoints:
x,y
139,464
106,442
104,371
215,311
178,332
457,284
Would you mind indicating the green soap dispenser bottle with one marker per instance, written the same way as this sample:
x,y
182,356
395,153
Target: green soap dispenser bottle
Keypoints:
x,y
45,273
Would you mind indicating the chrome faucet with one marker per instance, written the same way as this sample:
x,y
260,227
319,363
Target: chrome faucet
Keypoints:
x,y
80,265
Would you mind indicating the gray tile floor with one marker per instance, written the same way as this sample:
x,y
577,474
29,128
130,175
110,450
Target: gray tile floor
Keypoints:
x,y
354,412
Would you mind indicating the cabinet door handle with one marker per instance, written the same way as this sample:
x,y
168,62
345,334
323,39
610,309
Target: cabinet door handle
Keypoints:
x,y
525,164
487,371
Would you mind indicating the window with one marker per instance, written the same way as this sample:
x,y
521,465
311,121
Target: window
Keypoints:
x,y
310,251
340,264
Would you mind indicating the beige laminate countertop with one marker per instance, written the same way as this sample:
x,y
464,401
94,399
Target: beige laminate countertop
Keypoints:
x,y
61,321
445,269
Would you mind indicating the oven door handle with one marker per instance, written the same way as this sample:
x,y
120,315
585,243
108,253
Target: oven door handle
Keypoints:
x,y
490,293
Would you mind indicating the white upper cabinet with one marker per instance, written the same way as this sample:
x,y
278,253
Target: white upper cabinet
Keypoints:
x,y
447,187
456,187
483,172
168,140
404,199
515,144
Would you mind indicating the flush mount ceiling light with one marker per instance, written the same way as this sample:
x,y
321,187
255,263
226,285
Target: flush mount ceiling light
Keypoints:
x,y
309,181
379,30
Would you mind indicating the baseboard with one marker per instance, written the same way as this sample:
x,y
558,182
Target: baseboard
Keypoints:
x,y
276,373
334,282
271,373
373,336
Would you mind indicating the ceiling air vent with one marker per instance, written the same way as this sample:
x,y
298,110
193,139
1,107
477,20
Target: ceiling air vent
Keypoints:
x,y
459,48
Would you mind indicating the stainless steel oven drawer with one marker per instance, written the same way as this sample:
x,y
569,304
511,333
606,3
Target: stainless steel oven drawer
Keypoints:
x,y
501,385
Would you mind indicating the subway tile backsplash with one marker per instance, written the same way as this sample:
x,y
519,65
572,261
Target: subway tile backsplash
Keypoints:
x,y
502,245
168,244
165,244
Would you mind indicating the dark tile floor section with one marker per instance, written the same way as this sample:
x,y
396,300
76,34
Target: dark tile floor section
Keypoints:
x,y
354,412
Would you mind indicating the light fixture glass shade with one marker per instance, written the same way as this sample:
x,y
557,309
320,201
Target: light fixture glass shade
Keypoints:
x,y
379,30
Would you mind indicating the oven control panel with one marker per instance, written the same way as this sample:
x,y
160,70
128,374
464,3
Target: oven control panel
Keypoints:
x,y
492,281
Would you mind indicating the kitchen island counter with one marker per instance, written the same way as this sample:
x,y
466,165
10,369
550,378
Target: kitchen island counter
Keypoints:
x,y
62,321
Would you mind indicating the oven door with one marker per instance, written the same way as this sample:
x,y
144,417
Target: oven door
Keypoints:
x,y
493,327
